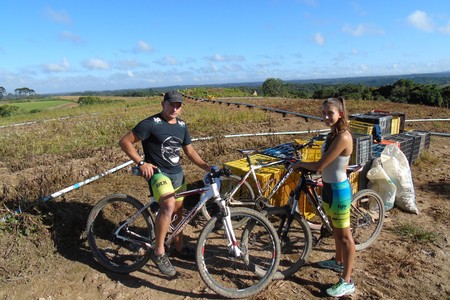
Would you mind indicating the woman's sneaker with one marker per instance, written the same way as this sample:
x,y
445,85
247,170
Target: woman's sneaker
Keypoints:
x,y
332,265
341,288
164,265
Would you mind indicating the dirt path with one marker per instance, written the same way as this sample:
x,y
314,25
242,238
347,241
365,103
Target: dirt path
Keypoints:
x,y
58,264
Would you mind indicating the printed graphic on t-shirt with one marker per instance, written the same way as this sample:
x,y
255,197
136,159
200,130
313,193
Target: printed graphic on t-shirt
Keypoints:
x,y
170,150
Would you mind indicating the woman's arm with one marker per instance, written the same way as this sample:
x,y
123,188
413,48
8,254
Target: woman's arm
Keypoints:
x,y
341,145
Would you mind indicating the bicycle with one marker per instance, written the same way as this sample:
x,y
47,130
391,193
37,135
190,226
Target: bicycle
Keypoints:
x,y
294,229
120,234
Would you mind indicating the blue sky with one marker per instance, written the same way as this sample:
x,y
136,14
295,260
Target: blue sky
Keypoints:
x,y
65,46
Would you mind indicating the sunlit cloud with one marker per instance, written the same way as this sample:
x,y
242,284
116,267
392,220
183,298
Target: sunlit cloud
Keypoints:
x,y
57,16
143,47
95,64
225,58
129,64
420,20
63,66
319,39
167,61
362,29
445,29
69,36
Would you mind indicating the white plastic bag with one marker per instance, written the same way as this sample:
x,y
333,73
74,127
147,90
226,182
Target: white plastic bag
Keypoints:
x,y
381,183
397,168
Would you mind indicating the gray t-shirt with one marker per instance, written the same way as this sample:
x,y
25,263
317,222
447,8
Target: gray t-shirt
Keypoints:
x,y
162,142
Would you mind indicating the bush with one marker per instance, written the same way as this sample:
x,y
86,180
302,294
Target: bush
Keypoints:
x,y
89,100
8,110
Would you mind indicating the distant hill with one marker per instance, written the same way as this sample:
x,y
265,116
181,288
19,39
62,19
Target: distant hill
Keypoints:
x,y
442,78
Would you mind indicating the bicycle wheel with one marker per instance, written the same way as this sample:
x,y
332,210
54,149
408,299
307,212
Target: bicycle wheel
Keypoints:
x,y
297,244
244,276
110,250
366,218
244,196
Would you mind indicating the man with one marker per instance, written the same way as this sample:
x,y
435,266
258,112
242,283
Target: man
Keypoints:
x,y
163,136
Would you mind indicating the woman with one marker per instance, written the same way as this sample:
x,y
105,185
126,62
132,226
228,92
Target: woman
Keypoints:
x,y
337,193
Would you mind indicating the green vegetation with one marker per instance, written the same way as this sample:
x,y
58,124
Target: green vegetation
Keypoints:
x,y
89,127
415,233
402,91
14,108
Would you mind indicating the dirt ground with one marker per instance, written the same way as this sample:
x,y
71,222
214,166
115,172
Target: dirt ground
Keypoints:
x,y
51,260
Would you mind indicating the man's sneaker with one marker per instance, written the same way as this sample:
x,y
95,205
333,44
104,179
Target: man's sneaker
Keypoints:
x,y
162,262
332,265
341,288
187,253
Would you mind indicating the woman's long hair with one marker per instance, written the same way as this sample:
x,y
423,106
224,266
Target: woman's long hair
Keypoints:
x,y
342,123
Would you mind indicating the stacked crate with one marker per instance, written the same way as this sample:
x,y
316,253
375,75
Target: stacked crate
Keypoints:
x,y
362,148
383,121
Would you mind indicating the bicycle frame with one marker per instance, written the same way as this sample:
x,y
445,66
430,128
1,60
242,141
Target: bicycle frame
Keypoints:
x,y
252,172
209,193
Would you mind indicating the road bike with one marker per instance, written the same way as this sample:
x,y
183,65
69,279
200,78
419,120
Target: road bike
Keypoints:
x,y
294,227
120,234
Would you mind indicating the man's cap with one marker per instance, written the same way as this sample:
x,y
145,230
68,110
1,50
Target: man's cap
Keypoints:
x,y
173,96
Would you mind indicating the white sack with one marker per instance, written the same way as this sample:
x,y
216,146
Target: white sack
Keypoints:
x,y
380,182
397,168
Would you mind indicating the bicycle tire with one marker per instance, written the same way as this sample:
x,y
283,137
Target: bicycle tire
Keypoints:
x,y
111,252
243,196
297,245
238,277
366,218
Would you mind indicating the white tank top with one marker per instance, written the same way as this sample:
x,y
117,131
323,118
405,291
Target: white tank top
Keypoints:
x,y
336,170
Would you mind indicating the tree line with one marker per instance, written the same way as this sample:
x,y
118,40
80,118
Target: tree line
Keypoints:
x,y
402,91
19,92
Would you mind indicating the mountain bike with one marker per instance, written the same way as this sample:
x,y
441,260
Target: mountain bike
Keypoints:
x,y
120,233
294,228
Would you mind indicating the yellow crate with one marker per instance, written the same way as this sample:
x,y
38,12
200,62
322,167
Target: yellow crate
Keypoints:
x,y
354,182
395,125
361,127
311,154
267,176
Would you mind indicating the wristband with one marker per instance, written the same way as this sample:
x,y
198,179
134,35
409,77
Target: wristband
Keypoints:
x,y
141,163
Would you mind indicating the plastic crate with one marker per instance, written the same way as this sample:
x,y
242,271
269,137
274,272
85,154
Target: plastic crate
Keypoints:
x,y
361,127
354,182
398,120
383,121
268,177
377,149
279,151
311,154
406,143
362,148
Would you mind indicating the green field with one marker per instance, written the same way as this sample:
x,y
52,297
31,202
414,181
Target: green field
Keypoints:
x,y
39,105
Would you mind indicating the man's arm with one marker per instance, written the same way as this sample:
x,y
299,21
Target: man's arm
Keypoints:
x,y
193,155
127,144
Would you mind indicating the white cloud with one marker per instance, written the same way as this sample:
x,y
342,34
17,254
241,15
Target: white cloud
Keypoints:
x,y
66,35
143,47
362,29
95,64
225,58
319,39
420,20
167,61
131,74
64,66
129,64
445,29
57,16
